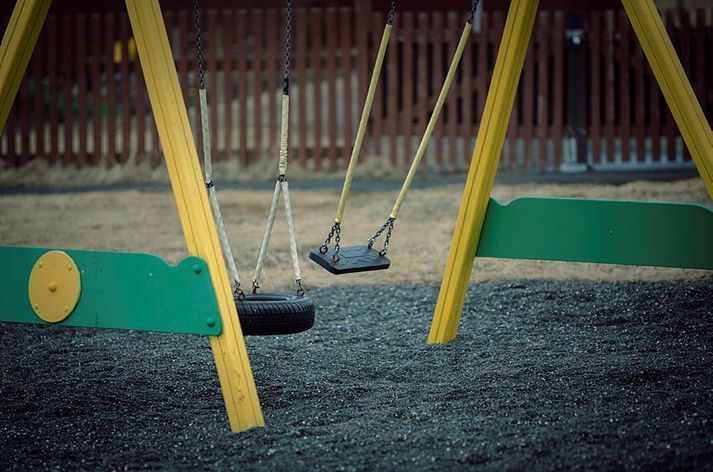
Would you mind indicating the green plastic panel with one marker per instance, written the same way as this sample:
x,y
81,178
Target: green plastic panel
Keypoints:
x,y
603,231
120,291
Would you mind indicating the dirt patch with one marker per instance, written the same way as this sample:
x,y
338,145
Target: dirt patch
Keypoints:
x,y
146,221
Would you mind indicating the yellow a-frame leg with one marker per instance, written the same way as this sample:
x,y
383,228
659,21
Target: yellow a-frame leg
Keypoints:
x,y
674,85
179,150
481,175
673,82
231,359
18,43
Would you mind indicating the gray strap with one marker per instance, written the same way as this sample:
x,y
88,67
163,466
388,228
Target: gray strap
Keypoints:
x,y
212,196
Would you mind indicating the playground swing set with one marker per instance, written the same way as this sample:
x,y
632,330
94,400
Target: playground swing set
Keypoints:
x,y
142,292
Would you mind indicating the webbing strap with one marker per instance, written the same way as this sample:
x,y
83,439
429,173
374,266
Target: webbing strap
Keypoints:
x,y
423,145
266,237
291,230
284,126
365,113
212,196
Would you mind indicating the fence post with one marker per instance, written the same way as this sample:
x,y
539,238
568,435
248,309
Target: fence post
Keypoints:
x,y
575,159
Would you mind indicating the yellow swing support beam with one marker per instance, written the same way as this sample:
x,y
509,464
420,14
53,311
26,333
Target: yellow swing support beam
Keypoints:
x,y
671,79
231,358
17,46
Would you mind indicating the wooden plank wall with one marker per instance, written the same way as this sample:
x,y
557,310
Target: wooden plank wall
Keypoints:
x,y
83,100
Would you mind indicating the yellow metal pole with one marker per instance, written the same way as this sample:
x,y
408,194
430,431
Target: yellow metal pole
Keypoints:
x,y
231,358
18,42
674,85
488,146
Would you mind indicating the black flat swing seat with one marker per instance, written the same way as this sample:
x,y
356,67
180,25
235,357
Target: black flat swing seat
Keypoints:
x,y
351,259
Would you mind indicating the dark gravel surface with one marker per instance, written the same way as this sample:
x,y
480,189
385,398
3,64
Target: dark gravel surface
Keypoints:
x,y
543,375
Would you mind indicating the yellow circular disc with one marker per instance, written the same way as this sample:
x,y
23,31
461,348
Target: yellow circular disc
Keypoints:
x,y
54,287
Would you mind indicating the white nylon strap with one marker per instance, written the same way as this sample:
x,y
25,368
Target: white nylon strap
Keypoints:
x,y
212,196
284,126
291,229
268,233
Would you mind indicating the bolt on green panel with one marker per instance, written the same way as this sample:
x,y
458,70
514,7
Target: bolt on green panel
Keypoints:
x,y
603,231
120,291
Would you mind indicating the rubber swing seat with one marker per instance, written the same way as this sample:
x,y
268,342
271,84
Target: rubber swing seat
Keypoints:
x,y
266,314
351,259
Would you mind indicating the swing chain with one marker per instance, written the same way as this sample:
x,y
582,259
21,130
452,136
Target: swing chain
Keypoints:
x,y
392,13
238,291
300,288
388,226
199,44
288,48
473,8
335,233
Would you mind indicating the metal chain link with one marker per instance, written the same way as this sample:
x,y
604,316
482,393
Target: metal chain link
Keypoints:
x,y
238,291
335,233
389,224
473,8
392,13
199,44
288,48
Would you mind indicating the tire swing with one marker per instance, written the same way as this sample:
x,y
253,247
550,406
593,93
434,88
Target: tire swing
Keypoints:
x,y
266,313
344,260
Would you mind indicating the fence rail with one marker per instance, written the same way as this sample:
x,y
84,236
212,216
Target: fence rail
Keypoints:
x,y
83,100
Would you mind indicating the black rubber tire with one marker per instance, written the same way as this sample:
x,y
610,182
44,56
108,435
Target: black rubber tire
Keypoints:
x,y
265,314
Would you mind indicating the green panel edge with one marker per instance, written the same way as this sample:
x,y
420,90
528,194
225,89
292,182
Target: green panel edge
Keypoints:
x,y
601,231
120,290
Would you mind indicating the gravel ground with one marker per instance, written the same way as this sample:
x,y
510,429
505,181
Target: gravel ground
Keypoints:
x,y
544,374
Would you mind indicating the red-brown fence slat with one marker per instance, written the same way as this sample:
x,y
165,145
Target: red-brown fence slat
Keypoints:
x,y
466,95
595,42
482,39
125,84
257,25
528,106
24,109
639,104
184,52
670,128
422,41
109,37
363,14
543,51
558,87
609,84
67,81
316,47
270,67
302,75
451,115
81,74
331,18
345,48
242,99
377,114
212,78
141,151
685,54
38,116
700,73
95,34
226,27
407,85
390,83
436,80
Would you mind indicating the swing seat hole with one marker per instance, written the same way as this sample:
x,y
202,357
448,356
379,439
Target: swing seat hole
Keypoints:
x,y
351,259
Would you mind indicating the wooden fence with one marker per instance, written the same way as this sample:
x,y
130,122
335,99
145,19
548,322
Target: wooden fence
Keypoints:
x,y
83,100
